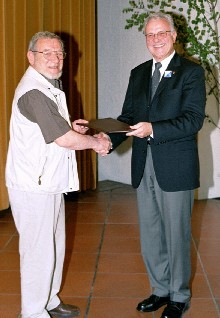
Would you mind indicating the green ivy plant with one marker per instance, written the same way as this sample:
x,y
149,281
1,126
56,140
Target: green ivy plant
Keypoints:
x,y
196,22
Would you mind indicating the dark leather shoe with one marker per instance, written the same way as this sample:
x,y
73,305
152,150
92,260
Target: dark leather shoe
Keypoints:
x,y
152,303
65,311
175,310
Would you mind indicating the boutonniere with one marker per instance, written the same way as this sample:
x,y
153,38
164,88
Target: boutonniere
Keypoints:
x,y
168,74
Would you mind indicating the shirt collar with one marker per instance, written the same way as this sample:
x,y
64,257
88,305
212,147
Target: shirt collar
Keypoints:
x,y
57,83
164,63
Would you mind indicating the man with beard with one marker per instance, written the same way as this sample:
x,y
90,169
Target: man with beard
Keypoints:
x,y
41,166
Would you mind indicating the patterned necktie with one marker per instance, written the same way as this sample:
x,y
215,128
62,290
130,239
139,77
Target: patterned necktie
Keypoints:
x,y
155,78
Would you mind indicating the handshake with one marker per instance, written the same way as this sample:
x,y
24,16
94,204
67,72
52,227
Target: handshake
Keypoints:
x,y
103,145
100,143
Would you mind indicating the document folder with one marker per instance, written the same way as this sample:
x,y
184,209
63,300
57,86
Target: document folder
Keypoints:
x,y
108,125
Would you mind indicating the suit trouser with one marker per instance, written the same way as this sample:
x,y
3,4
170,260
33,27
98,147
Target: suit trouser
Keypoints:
x,y
165,232
40,221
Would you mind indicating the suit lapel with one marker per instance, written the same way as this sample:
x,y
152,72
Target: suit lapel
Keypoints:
x,y
147,81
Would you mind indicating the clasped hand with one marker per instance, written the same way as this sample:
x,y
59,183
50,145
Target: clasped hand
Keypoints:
x,y
102,141
104,144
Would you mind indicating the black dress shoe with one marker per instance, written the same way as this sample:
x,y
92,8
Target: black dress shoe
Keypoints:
x,y
65,311
175,310
152,303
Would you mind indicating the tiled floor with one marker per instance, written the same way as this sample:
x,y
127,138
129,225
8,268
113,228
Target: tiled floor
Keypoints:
x,y
104,273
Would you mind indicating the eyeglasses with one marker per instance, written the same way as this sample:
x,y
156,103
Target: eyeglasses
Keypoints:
x,y
48,55
160,35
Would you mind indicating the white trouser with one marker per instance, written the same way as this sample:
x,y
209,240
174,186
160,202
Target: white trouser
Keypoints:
x,y
40,221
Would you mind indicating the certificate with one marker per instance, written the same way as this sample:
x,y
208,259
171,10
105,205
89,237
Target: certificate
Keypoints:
x,y
107,125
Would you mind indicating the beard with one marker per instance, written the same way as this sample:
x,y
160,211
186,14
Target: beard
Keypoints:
x,y
55,73
52,76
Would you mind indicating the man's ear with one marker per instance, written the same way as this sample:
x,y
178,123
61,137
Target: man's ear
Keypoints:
x,y
174,36
30,56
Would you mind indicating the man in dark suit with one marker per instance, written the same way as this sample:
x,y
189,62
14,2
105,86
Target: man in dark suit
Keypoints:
x,y
165,163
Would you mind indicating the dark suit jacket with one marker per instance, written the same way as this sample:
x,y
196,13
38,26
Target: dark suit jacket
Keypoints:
x,y
176,113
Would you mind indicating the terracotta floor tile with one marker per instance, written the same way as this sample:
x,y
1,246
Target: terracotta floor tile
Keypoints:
x,y
76,284
7,228
195,262
200,308
121,215
200,287
90,217
80,262
10,306
209,247
76,207
129,206
115,307
211,264
121,244
123,230
4,239
201,206
121,263
121,285
214,281
218,303
119,195
125,189
126,202
9,260
211,217
204,231
94,196
104,272
85,229
124,199
87,244
10,282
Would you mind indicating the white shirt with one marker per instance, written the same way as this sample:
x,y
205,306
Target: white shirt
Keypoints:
x,y
164,63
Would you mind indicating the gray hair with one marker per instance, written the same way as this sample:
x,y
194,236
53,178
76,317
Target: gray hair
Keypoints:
x,y
43,35
160,15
